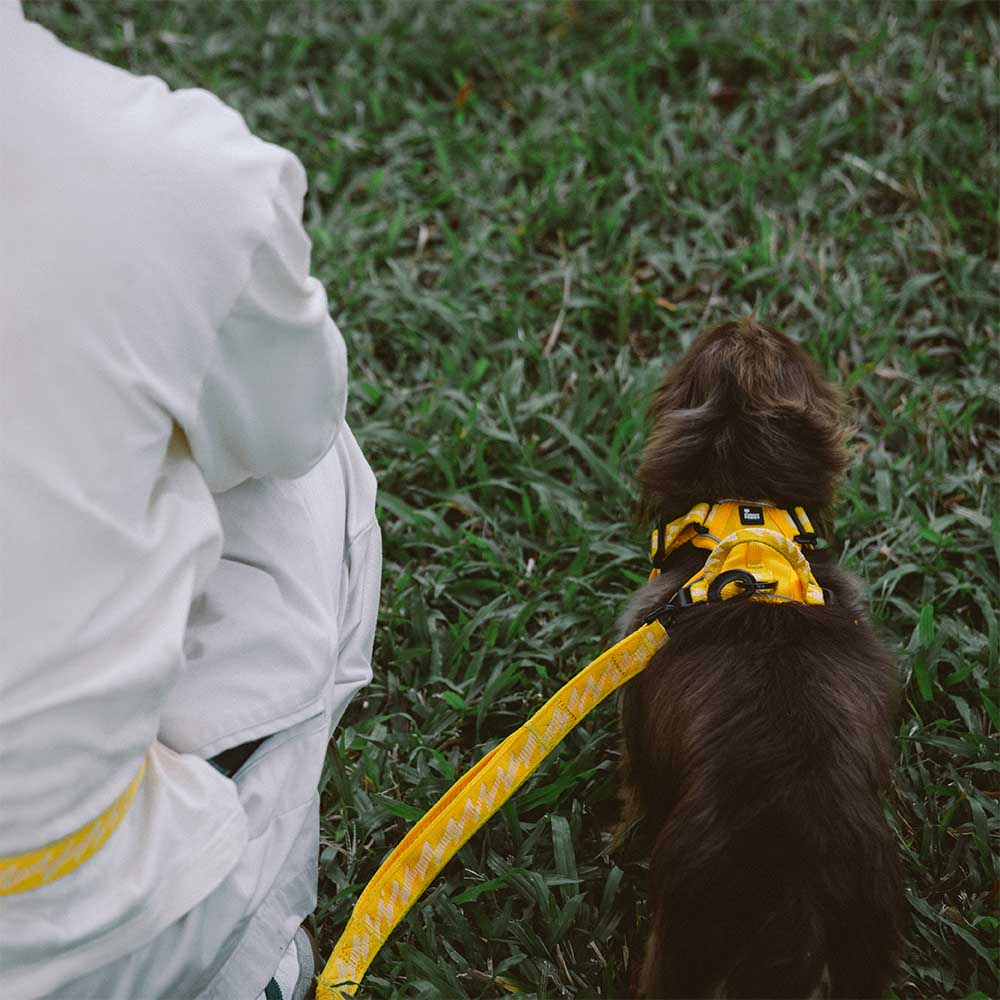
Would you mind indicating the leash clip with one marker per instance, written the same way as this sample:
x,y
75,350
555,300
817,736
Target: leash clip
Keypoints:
x,y
662,614
746,581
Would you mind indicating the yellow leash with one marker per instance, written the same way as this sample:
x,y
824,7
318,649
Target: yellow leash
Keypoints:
x,y
22,872
468,804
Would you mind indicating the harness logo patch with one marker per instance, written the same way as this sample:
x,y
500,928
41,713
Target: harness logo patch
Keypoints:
x,y
751,515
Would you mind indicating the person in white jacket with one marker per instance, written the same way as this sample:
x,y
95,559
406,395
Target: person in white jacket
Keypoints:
x,y
189,557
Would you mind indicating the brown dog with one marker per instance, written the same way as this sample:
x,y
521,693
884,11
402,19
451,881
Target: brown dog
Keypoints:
x,y
757,742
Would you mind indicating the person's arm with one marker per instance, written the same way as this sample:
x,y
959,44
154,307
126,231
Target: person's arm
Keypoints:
x,y
273,398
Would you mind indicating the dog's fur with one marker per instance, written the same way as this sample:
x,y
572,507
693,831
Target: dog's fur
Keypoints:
x,y
757,743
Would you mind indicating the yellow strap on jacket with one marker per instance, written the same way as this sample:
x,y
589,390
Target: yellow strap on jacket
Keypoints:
x,y
751,543
21,872
468,804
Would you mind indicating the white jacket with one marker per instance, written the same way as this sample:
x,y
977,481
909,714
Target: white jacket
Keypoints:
x,y
162,341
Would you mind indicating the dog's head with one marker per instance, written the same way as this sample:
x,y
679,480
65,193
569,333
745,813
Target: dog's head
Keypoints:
x,y
745,414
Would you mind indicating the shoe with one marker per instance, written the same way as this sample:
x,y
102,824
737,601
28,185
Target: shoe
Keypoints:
x,y
295,976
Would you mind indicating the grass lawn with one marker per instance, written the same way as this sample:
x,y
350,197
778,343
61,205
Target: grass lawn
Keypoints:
x,y
522,213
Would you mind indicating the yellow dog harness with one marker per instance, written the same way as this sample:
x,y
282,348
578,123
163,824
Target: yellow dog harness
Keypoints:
x,y
755,549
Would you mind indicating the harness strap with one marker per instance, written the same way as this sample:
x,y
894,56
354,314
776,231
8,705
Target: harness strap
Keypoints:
x,y
21,872
669,536
806,536
469,803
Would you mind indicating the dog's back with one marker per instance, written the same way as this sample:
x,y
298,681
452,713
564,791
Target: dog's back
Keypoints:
x,y
757,740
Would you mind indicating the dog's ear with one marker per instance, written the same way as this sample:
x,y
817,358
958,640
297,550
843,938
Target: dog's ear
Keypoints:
x,y
746,414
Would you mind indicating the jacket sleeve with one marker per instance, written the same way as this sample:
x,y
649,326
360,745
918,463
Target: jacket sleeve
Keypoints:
x,y
273,396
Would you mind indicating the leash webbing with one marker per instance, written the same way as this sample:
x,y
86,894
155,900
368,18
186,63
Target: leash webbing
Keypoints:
x,y
32,869
468,804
